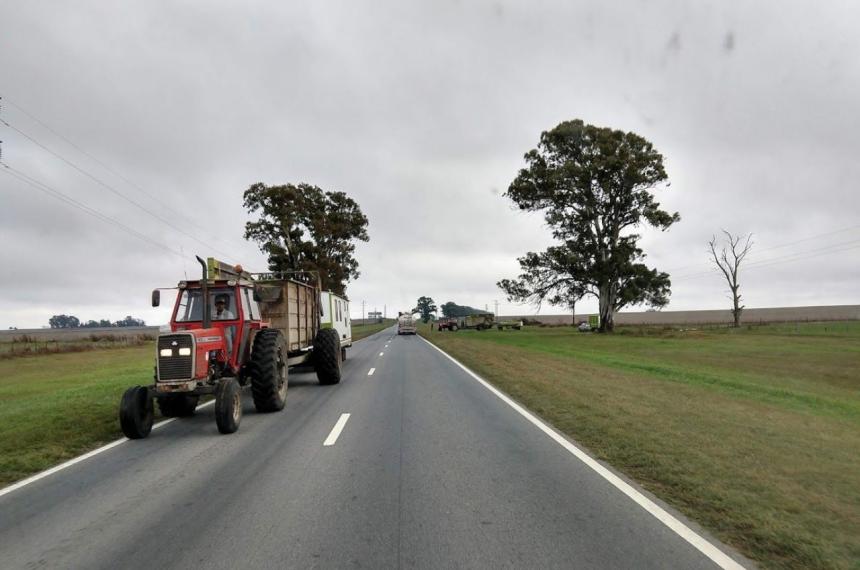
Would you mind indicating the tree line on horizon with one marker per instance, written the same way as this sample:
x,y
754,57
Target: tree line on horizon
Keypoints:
x,y
72,322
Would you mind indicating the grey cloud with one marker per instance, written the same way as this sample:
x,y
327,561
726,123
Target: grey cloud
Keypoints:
x,y
421,113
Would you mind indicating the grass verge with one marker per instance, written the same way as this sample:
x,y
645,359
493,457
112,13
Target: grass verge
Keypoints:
x,y
54,407
361,331
755,434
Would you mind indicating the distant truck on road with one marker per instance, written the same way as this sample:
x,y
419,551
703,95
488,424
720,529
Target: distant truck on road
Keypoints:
x,y
406,324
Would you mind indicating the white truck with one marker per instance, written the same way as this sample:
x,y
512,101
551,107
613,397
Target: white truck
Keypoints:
x,y
335,315
406,324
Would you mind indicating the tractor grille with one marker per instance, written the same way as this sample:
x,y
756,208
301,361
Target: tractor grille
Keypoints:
x,y
175,367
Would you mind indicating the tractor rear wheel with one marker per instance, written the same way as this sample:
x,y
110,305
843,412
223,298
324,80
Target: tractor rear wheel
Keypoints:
x,y
269,371
326,356
228,405
136,412
177,405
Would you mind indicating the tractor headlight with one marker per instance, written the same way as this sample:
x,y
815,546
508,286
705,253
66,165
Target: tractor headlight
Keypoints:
x,y
185,351
165,352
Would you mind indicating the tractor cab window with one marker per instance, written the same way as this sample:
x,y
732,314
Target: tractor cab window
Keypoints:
x,y
190,306
252,310
222,305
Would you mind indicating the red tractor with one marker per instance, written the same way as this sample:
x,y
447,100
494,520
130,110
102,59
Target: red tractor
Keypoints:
x,y
229,330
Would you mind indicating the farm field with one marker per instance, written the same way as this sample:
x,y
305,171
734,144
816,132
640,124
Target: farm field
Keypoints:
x,y
56,406
754,433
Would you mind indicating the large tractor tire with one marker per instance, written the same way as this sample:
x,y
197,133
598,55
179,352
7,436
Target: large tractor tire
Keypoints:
x,y
269,371
136,412
228,405
178,405
327,356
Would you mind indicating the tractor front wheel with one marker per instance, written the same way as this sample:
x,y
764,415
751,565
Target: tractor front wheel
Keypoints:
x,y
136,412
228,405
326,356
269,371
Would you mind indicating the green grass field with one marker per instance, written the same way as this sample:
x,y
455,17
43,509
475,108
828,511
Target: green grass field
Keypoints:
x,y
755,433
56,406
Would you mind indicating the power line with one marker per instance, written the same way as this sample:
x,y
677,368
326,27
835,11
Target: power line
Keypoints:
x,y
779,246
797,256
56,194
104,165
112,189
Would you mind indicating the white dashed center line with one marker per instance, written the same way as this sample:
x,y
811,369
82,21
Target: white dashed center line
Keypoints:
x,y
335,431
381,353
372,370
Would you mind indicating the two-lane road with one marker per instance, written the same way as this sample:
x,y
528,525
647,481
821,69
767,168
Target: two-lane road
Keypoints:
x,y
430,469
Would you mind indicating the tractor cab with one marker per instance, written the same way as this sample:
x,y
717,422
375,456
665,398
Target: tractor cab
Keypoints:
x,y
221,314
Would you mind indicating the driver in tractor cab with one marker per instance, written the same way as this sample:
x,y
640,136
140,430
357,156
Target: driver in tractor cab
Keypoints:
x,y
222,313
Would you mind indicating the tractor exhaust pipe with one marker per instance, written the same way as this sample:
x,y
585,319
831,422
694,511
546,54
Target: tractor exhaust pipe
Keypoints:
x,y
207,315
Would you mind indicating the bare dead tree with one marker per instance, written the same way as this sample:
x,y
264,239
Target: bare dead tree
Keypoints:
x,y
729,260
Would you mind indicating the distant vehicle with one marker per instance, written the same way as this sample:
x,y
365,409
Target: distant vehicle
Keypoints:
x,y
584,327
479,322
502,325
447,324
406,324
335,315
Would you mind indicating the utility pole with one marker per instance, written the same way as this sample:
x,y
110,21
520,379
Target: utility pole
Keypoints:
x,y
384,311
362,312
497,308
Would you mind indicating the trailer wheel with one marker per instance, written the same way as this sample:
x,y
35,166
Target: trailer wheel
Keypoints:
x,y
135,413
326,356
228,405
269,371
177,405
453,328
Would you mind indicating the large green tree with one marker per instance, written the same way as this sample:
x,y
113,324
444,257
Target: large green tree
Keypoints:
x,y
304,228
594,186
426,307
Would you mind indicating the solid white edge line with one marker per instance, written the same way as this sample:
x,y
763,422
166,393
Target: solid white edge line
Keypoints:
x,y
702,545
371,371
335,431
80,458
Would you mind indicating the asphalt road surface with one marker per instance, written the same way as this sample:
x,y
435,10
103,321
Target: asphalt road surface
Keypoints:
x,y
429,470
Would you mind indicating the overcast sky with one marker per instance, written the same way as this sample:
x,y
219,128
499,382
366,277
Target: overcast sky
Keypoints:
x,y
422,113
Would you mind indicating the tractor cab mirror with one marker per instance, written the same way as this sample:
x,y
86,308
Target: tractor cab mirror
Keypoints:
x,y
156,298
